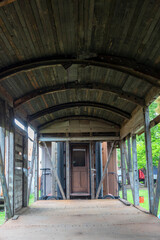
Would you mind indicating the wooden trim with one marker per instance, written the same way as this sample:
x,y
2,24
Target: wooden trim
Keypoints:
x,y
128,66
60,107
80,86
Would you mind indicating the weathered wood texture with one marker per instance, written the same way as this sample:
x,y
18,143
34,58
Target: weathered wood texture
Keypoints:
x,y
55,173
149,159
123,171
105,170
5,2
135,172
54,165
18,172
4,188
92,169
67,171
36,170
157,193
79,50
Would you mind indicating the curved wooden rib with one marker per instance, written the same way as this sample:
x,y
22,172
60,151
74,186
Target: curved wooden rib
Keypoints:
x,y
79,104
78,117
121,64
73,85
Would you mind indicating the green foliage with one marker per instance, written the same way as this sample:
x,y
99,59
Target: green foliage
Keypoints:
x,y
155,138
2,217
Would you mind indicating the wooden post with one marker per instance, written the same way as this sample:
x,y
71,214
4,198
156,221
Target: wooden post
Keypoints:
x,y
2,161
56,176
105,171
11,161
67,171
32,165
129,164
91,151
53,163
149,159
123,171
157,193
135,172
36,169
4,188
25,168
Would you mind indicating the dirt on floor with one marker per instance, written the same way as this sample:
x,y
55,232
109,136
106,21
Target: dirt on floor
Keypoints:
x,y
81,219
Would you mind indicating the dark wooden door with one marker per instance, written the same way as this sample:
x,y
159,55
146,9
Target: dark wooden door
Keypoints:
x,y
79,169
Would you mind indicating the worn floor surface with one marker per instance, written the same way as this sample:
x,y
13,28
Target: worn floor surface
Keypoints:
x,y
81,219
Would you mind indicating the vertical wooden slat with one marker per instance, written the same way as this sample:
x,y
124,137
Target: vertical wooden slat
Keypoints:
x,y
25,168
67,171
157,193
11,161
92,169
149,159
129,164
135,172
53,163
36,169
2,161
123,171
31,168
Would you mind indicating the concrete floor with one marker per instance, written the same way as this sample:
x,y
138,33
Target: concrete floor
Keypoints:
x,y
81,219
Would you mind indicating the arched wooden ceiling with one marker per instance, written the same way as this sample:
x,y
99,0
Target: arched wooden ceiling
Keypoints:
x,y
66,58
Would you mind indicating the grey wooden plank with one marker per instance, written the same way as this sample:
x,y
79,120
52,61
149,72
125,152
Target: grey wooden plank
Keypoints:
x,y
149,159
135,172
123,171
67,171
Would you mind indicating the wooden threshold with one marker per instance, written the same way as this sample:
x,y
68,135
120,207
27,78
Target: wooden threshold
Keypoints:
x,y
80,194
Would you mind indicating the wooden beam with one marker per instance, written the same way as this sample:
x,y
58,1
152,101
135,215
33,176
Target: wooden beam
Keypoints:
x,y
5,2
85,138
135,172
128,66
80,86
105,170
67,171
149,159
157,193
63,106
123,171
78,117
55,173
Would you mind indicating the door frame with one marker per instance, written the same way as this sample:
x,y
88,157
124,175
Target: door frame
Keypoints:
x,y
88,166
